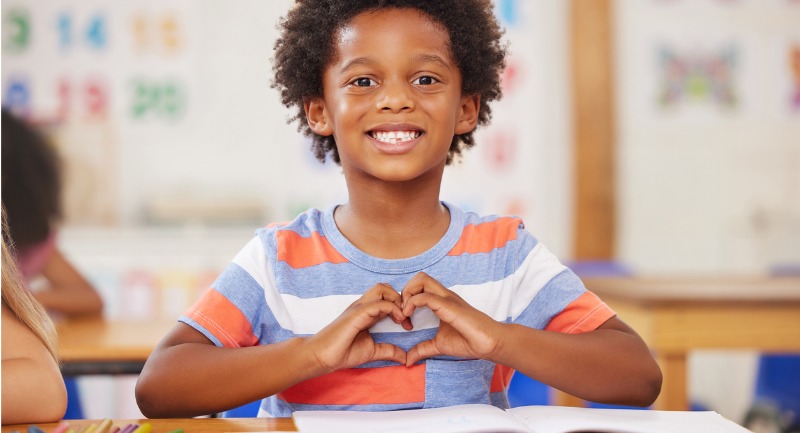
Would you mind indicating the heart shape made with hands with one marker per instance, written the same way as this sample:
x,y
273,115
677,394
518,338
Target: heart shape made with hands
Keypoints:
x,y
463,331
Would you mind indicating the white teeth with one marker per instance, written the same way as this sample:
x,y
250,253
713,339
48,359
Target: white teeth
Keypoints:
x,y
394,137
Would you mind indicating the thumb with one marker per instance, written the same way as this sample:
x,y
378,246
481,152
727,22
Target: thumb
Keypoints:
x,y
389,352
423,350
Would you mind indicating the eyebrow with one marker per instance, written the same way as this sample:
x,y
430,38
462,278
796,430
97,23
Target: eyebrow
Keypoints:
x,y
431,58
421,58
357,61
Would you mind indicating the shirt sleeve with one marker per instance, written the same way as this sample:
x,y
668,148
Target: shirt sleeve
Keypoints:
x,y
584,314
550,296
231,312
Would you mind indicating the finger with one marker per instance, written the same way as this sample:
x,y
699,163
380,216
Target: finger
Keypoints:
x,y
446,309
422,283
372,313
388,293
383,291
389,352
414,286
423,350
379,292
421,300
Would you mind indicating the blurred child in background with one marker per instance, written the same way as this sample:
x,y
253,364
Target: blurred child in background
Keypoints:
x,y
32,201
33,390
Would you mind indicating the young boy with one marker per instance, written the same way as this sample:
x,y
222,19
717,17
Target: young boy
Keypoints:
x,y
393,300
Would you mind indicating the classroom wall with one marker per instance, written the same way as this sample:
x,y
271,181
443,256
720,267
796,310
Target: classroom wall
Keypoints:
x,y
709,135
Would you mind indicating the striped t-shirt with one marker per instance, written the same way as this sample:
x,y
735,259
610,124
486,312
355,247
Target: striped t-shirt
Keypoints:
x,y
292,280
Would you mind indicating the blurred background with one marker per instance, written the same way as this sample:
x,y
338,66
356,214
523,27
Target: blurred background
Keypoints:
x,y
176,147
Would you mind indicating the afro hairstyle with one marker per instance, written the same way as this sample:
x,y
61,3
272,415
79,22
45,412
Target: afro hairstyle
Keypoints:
x,y
307,46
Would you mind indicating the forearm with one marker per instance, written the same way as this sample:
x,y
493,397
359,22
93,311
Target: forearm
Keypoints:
x,y
68,291
70,302
32,393
605,365
194,379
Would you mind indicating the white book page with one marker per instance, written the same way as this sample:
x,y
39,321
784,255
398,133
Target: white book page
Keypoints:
x,y
557,419
476,418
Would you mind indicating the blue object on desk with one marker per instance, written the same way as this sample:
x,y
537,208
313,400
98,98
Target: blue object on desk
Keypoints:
x,y
599,268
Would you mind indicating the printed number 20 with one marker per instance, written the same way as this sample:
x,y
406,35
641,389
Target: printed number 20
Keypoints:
x,y
164,100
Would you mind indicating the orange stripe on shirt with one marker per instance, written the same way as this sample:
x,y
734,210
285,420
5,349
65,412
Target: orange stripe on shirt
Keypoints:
x,y
487,236
501,378
300,252
223,319
356,386
584,314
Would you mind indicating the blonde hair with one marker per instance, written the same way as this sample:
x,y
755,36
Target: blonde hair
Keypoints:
x,y
21,302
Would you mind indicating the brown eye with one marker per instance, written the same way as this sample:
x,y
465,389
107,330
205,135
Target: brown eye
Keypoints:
x,y
425,80
363,82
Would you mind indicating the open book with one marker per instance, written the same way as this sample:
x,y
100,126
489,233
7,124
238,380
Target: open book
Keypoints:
x,y
477,418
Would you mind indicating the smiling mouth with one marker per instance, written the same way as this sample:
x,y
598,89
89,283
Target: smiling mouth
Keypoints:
x,y
395,137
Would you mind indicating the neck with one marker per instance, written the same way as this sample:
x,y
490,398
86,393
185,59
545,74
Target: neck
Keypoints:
x,y
393,219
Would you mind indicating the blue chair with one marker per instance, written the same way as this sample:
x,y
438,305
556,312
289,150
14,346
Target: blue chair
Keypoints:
x,y
249,410
777,391
74,407
776,402
524,391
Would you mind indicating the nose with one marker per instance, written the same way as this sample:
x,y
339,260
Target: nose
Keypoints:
x,y
395,97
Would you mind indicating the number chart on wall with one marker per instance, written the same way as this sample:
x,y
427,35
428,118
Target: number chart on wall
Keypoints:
x,y
86,72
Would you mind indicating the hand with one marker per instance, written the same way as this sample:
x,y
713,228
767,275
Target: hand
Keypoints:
x,y
346,342
464,331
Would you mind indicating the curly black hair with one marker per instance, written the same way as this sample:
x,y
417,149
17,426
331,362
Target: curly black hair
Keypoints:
x,y
31,193
306,47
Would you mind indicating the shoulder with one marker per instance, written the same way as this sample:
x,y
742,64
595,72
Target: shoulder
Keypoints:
x,y
305,224
298,237
26,343
487,232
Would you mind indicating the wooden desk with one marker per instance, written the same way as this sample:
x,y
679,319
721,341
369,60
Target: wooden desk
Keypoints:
x,y
678,315
94,345
190,425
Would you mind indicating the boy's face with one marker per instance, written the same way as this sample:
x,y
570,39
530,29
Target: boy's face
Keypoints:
x,y
392,96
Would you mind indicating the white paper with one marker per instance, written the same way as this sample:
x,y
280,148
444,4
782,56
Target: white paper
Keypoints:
x,y
556,419
528,419
455,419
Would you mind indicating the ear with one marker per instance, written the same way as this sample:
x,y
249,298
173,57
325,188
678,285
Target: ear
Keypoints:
x,y
317,117
468,114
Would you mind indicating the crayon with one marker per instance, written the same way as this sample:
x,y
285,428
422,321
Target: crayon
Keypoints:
x,y
34,429
146,427
62,427
103,426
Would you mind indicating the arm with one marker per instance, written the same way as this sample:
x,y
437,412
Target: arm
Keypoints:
x,y
610,364
187,375
33,389
68,291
